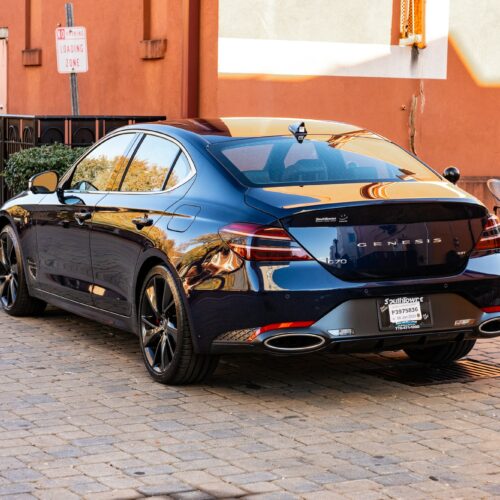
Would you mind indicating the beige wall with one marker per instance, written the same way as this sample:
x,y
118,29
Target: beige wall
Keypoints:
x,y
356,21
475,29
328,38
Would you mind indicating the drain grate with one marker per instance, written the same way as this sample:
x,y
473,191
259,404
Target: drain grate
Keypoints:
x,y
418,375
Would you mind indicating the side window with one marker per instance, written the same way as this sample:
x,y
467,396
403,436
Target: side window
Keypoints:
x,y
99,169
149,168
181,170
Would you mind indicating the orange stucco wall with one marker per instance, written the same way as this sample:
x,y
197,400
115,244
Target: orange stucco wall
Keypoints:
x,y
118,81
456,120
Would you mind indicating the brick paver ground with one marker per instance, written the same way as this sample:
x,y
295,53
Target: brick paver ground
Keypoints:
x,y
80,417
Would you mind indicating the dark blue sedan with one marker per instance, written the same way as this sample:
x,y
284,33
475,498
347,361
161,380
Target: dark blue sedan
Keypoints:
x,y
233,235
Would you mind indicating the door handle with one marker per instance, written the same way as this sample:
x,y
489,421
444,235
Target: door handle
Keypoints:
x,y
81,217
141,222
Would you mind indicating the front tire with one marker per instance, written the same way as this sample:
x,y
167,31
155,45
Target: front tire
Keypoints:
x,y
15,299
441,354
165,337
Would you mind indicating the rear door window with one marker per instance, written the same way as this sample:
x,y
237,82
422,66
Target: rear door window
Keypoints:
x,y
150,166
180,172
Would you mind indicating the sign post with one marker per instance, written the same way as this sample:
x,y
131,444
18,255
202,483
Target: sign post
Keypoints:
x,y
72,56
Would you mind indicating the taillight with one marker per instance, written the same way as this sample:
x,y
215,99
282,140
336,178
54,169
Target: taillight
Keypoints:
x,y
264,243
491,309
279,326
490,238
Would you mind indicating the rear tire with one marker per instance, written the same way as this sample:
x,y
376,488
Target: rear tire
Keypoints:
x,y
441,354
15,299
164,333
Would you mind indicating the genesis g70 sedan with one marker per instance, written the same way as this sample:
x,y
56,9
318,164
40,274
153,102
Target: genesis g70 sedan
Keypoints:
x,y
235,235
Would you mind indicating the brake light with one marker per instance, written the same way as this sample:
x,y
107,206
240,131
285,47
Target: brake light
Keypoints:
x,y
491,309
262,243
490,238
279,326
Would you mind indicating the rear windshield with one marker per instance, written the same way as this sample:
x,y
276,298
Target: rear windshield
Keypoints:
x,y
282,160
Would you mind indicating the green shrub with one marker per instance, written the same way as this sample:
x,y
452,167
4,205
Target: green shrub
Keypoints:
x,y
28,162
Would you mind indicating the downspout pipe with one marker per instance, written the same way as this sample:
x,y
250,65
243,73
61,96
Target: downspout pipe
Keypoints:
x,y
191,59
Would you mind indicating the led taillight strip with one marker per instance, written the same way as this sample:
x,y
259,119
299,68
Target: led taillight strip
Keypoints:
x,y
279,326
245,240
491,309
490,237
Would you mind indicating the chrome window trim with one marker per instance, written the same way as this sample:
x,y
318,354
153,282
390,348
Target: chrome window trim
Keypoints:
x,y
140,133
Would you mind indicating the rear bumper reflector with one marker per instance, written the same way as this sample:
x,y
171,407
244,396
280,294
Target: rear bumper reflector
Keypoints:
x,y
492,309
279,326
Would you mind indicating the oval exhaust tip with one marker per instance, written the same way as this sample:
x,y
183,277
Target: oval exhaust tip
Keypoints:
x,y
490,326
294,342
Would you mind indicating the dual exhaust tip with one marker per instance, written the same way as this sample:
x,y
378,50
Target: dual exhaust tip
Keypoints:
x,y
304,342
490,328
295,342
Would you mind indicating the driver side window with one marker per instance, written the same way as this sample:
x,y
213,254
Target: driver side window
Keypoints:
x,y
99,170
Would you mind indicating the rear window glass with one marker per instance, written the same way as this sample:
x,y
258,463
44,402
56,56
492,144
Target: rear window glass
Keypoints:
x,y
282,160
251,157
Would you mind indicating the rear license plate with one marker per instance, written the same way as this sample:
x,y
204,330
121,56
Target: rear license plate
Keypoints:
x,y
404,313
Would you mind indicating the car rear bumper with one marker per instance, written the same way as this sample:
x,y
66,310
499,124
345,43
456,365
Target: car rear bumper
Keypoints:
x,y
375,343
354,326
261,294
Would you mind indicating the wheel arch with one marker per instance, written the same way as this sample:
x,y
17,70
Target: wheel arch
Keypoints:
x,y
4,221
143,269
144,266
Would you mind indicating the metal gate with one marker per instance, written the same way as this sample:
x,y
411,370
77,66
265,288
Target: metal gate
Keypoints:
x,y
25,131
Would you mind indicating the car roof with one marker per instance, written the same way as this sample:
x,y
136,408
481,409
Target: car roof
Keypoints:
x,y
219,129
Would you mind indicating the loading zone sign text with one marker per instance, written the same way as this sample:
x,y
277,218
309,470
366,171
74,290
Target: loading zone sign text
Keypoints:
x,y
71,48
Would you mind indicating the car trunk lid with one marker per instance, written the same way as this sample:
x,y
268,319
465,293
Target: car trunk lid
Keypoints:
x,y
375,231
371,242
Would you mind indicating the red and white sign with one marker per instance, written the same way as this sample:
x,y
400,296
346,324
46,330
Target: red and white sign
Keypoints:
x,y
71,48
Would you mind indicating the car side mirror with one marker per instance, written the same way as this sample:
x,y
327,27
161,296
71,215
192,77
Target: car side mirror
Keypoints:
x,y
452,174
43,183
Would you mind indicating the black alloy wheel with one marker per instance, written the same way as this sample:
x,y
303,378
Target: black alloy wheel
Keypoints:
x,y
9,272
159,324
165,336
14,294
